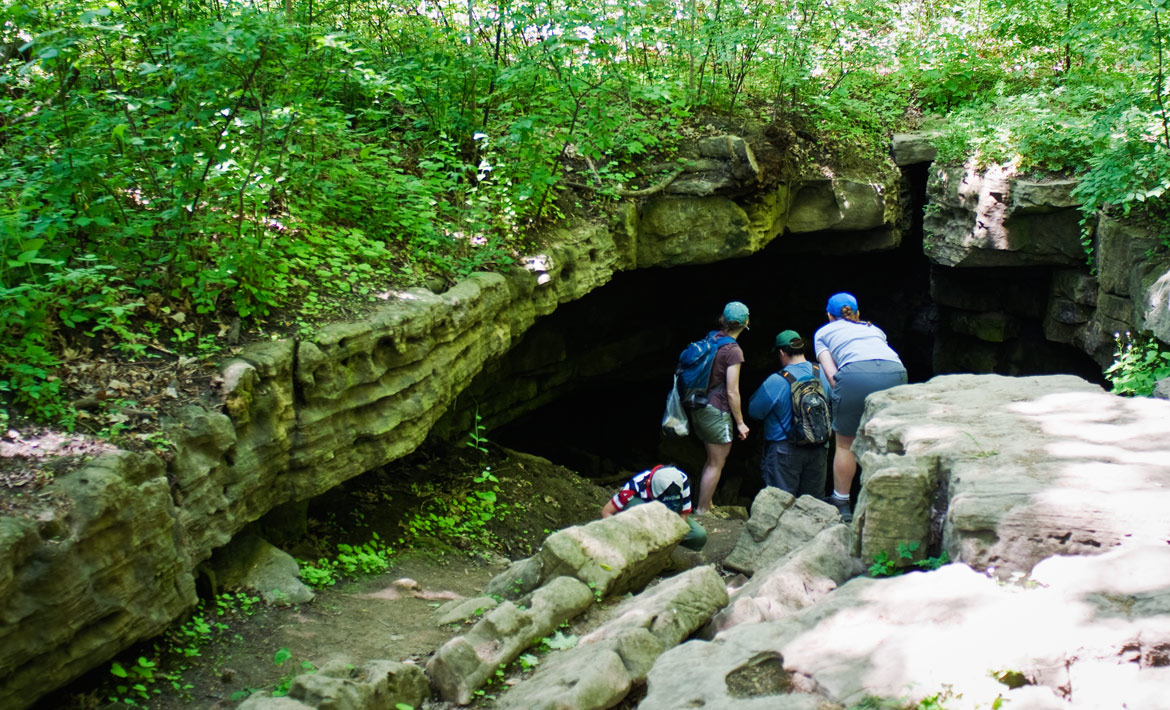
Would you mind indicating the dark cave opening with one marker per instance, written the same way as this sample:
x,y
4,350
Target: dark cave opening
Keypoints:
x,y
622,340
607,425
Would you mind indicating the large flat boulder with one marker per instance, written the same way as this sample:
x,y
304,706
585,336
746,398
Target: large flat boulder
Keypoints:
x,y
1084,632
1002,472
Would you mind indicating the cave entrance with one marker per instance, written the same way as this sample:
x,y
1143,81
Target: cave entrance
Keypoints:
x,y
586,385
622,340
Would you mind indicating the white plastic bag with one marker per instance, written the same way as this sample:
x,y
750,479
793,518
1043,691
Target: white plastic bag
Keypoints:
x,y
674,420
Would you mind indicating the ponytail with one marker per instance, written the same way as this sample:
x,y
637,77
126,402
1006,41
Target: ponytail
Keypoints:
x,y
851,315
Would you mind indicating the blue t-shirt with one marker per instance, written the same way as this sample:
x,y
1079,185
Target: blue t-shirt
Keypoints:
x,y
850,342
772,402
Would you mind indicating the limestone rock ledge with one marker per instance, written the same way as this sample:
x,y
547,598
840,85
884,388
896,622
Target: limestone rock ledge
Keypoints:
x,y
1086,632
1003,472
80,582
297,417
992,218
995,218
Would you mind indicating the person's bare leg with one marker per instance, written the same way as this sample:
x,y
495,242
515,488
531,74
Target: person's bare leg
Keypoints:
x,y
712,471
844,464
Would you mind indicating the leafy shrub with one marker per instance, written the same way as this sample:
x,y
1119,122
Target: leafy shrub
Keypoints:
x,y
1139,361
886,566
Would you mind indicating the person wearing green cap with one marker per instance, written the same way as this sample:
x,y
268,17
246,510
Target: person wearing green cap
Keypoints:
x,y
721,420
799,470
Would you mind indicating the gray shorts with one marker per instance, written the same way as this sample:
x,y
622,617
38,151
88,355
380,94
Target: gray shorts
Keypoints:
x,y
711,425
855,382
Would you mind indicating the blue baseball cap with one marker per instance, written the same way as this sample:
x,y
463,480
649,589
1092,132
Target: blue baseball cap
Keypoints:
x,y
839,301
736,312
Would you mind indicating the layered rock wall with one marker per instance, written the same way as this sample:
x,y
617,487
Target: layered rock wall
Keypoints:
x,y
115,562
1013,275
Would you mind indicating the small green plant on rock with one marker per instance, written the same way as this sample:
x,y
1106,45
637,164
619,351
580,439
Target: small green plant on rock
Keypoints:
x,y
1139,361
477,437
281,657
886,566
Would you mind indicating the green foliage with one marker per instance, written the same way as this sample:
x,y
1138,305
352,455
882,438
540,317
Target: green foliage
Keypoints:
x,y
282,656
557,641
1139,361
254,159
135,683
476,437
460,517
886,566
370,558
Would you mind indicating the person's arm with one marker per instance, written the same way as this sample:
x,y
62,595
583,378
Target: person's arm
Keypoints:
x,y
828,366
609,509
733,401
761,402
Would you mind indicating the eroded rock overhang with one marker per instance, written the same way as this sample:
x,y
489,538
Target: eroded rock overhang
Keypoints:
x,y
297,417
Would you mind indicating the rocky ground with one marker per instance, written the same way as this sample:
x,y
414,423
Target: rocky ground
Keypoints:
x,y
230,649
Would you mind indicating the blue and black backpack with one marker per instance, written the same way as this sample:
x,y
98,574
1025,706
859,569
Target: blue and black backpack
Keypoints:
x,y
694,369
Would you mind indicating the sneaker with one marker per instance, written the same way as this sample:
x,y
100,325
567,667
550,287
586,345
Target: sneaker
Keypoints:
x,y
843,508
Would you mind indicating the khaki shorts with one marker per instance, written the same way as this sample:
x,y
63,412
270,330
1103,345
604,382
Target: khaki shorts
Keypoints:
x,y
711,425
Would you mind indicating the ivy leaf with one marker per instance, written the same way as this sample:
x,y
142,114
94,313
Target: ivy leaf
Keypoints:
x,y
281,656
561,642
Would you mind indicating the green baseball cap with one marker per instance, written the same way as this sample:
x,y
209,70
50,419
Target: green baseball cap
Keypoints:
x,y
789,339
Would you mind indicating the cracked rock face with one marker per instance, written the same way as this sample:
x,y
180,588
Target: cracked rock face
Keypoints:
x,y
1002,472
990,219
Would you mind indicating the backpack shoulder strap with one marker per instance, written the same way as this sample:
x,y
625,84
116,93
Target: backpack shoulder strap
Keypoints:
x,y
816,371
788,376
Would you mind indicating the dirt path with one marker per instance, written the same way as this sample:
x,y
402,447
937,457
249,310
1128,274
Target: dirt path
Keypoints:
x,y
387,616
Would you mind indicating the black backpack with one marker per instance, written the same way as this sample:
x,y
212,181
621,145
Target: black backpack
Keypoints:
x,y
811,424
694,369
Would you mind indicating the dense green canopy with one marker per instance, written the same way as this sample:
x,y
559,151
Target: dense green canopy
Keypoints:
x,y
221,158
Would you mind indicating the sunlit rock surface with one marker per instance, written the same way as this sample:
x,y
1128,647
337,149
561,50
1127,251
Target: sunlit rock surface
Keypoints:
x,y
779,524
1083,632
798,579
607,662
988,218
1002,472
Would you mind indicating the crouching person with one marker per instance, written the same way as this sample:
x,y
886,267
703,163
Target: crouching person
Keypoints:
x,y
667,485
